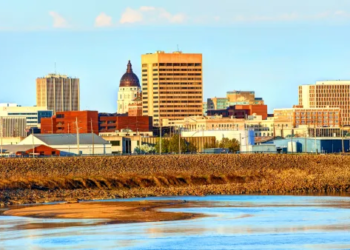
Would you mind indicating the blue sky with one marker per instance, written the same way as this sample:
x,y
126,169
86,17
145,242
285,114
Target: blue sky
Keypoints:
x,y
267,46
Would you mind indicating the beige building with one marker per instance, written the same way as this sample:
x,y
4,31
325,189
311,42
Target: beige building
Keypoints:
x,y
324,94
33,115
172,86
317,117
58,93
12,127
203,123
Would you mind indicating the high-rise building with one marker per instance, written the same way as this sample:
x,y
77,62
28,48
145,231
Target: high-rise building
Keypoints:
x,y
172,86
129,89
58,93
324,94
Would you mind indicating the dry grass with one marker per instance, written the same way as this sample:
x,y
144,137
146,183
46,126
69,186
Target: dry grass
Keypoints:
x,y
32,180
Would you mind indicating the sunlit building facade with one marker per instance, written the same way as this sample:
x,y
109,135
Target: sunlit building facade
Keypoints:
x,y
172,86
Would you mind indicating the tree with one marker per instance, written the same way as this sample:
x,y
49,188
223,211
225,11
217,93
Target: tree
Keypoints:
x,y
174,144
165,146
232,145
145,149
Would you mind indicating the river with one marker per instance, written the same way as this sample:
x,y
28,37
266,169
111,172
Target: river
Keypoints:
x,y
242,222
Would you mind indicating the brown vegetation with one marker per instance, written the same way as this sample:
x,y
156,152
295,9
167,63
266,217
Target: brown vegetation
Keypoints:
x,y
57,179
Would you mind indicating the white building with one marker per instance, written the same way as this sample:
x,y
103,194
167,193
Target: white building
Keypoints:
x,y
128,89
244,137
125,141
32,115
89,144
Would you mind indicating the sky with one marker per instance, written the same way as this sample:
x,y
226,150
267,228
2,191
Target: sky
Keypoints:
x,y
270,47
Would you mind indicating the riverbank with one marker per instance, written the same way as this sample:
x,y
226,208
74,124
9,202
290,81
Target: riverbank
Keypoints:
x,y
91,178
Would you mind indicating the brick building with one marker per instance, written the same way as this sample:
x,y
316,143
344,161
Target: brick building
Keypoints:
x,y
112,123
241,111
65,123
229,112
258,109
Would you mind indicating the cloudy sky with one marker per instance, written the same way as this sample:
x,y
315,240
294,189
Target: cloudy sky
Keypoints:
x,y
268,46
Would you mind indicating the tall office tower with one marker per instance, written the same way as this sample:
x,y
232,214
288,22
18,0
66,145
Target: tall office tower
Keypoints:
x,y
58,93
172,86
323,94
129,89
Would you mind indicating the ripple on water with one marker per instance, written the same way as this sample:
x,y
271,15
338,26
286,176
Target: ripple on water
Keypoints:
x,y
242,222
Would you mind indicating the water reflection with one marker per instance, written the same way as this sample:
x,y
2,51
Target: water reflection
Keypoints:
x,y
240,222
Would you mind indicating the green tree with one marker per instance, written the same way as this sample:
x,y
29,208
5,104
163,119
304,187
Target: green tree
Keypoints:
x,y
165,146
232,145
174,144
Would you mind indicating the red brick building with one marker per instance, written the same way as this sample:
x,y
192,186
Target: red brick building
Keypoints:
x,y
134,123
65,122
254,109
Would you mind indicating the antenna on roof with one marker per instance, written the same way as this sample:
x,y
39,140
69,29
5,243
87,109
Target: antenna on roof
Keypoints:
x,y
178,48
55,69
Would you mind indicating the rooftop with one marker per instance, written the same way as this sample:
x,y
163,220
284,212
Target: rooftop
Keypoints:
x,y
69,139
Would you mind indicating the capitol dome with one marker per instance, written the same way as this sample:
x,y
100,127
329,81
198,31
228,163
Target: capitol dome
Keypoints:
x,y
129,79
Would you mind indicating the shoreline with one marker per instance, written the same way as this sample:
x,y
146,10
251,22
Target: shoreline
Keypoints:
x,y
36,181
111,212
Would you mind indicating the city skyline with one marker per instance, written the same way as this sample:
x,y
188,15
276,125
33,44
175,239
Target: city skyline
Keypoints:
x,y
266,49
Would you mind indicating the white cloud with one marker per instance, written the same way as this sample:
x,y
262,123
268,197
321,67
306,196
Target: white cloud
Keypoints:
x,y
103,20
150,14
58,20
131,16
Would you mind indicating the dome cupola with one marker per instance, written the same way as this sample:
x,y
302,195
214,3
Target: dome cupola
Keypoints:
x,y
129,79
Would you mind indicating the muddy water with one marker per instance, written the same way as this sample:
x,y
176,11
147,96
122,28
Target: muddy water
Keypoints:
x,y
242,222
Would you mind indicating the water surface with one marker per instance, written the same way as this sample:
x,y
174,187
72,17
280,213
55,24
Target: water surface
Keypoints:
x,y
243,222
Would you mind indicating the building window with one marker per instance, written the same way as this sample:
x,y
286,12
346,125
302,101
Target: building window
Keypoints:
x,y
115,143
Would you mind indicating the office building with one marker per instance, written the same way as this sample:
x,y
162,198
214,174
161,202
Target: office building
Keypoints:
x,y
66,123
12,127
317,117
58,93
129,88
216,103
243,98
33,115
324,94
240,111
172,86
205,108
